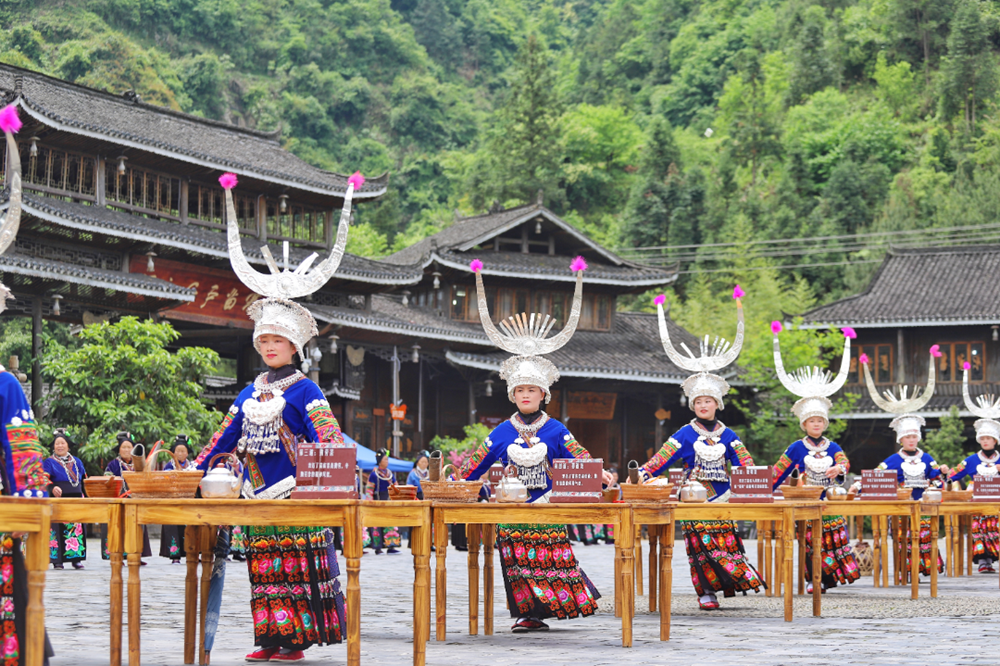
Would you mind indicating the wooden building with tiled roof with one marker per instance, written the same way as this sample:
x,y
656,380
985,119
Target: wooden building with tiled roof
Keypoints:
x,y
918,298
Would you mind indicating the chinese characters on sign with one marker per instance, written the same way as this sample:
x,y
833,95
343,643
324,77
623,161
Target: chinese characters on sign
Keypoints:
x,y
222,300
751,485
576,480
325,472
878,484
585,405
986,489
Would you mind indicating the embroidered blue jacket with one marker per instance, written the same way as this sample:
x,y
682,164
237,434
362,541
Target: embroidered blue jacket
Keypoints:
x,y
60,477
307,418
967,468
931,472
558,439
680,448
21,453
794,458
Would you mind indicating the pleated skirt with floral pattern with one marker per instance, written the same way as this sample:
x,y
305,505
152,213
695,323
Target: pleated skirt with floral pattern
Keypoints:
x,y
541,574
985,539
295,597
717,558
839,565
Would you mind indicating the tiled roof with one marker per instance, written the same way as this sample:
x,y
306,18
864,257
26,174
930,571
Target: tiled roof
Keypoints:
x,y
130,283
88,112
453,247
556,268
632,351
924,288
391,316
198,239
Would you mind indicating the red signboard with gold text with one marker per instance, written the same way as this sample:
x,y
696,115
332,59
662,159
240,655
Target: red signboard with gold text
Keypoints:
x,y
222,299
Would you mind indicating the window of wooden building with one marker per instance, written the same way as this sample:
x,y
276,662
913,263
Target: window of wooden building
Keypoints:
x,y
142,191
880,362
207,205
297,223
595,314
953,357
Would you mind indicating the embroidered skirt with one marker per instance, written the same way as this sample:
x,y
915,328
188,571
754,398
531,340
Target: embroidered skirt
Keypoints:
x,y
67,543
381,537
172,541
541,574
925,549
238,542
717,558
985,540
14,603
295,599
839,565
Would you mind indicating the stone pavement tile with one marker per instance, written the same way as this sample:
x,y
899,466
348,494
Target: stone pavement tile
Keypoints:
x,y
861,625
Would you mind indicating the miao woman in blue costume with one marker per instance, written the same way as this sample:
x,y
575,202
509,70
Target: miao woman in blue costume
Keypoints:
x,y
984,462
296,600
820,461
541,575
704,447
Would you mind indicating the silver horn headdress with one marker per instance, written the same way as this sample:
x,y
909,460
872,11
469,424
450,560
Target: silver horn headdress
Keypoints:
x,y
10,123
276,313
986,407
906,422
713,356
525,336
813,385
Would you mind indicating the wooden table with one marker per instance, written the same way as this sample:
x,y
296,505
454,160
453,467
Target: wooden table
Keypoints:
x,y
109,512
785,512
481,519
959,510
20,514
880,510
199,512
417,516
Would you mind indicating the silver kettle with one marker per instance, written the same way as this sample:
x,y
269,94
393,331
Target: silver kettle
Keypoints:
x,y
692,491
510,489
931,495
220,482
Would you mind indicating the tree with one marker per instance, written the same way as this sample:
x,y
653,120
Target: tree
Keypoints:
x,y
921,27
749,117
812,69
122,376
945,443
523,148
968,72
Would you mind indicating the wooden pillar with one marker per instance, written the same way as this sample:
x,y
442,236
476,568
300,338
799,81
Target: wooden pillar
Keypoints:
x,y
36,354
658,432
900,366
100,191
182,200
472,404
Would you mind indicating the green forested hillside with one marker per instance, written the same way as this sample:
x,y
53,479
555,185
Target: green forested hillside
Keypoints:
x,y
645,122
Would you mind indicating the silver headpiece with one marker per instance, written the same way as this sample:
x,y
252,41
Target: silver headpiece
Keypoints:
x,y
524,335
986,407
11,220
812,384
714,356
905,423
277,314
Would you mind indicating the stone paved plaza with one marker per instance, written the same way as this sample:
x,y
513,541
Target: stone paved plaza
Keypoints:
x,y
860,624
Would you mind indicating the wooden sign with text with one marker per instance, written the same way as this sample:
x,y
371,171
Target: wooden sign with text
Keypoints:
x,y
986,489
879,484
751,485
676,475
325,472
576,480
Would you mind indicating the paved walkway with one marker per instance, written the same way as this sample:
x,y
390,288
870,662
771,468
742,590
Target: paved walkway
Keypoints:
x,y
861,624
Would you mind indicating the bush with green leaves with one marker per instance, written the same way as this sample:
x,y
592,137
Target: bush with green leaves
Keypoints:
x,y
122,376
459,450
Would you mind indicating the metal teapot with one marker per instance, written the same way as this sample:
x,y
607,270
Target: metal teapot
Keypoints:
x,y
692,491
220,482
510,489
931,495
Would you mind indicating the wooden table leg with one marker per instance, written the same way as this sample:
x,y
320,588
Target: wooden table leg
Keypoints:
x,y
654,568
778,575
760,547
619,557
638,560
441,575
788,541
884,529
192,534
817,566
935,529
207,558
133,546
489,541
894,528
948,555
666,577
421,550
914,552
36,564
802,559
473,534
115,550
969,546
877,550
626,533
352,555
766,560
